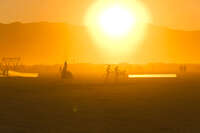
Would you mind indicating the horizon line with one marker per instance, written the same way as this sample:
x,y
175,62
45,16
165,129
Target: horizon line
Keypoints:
x,y
62,22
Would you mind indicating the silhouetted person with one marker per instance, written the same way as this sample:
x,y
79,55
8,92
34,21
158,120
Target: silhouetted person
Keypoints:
x,y
108,71
60,69
116,73
5,71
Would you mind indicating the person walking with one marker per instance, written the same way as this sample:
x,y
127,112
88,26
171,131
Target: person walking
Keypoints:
x,y
108,71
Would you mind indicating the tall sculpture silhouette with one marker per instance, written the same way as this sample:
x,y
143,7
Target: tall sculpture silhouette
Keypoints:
x,y
64,71
65,74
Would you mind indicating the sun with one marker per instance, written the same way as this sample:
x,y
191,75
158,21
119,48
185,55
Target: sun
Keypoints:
x,y
117,26
116,21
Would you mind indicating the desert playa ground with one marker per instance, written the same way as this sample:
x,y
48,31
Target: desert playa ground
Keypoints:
x,y
45,105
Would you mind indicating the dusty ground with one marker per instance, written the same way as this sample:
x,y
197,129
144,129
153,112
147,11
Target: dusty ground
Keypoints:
x,y
142,106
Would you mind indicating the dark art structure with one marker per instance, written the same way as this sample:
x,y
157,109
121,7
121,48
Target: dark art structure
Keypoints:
x,y
65,74
7,64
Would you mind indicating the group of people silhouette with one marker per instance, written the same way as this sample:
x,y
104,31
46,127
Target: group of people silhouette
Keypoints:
x,y
183,68
109,73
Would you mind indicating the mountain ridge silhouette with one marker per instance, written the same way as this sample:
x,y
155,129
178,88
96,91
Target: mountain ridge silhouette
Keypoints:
x,y
45,42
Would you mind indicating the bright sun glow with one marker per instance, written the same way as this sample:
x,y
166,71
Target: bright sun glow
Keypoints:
x,y
116,21
117,26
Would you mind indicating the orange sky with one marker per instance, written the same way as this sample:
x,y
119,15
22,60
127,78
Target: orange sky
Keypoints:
x,y
182,14
49,43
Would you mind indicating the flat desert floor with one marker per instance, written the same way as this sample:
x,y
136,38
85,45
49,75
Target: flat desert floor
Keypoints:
x,y
140,106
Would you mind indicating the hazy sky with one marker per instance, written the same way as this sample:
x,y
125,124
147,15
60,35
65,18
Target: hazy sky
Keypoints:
x,y
183,14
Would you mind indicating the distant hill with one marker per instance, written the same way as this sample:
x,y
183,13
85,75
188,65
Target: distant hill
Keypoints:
x,y
54,42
